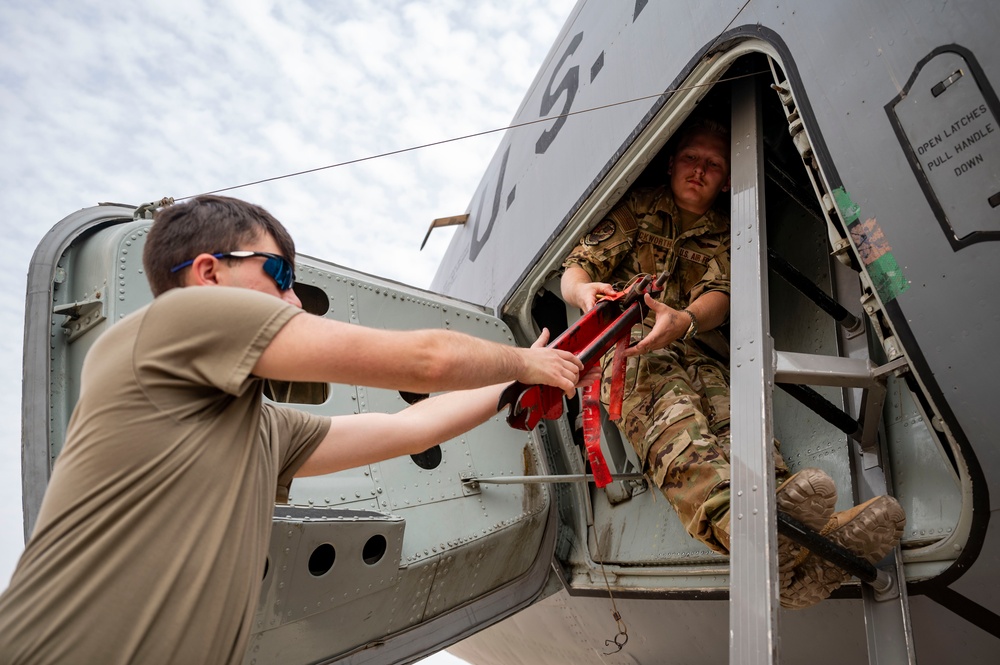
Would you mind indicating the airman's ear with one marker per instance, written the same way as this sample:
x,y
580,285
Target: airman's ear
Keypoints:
x,y
204,271
725,187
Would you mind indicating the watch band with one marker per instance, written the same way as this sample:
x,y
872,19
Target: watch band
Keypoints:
x,y
693,328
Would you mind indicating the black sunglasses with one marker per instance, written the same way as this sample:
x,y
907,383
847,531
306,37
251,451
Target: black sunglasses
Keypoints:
x,y
277,267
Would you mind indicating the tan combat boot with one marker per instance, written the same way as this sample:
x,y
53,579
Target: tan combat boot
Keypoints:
x,y
809,497
870,530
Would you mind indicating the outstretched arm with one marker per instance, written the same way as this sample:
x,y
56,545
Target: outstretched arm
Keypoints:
x,y
671,324
366,438
313,348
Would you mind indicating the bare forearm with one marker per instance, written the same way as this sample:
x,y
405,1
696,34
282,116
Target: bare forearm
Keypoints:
x,y
710,309
310,348
671,324
453,361
572,278
443,417
579,290
366,438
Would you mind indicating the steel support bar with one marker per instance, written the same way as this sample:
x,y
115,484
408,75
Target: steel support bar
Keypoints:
x,y
795,369
841,557
753,570
825,409
803,285
563,478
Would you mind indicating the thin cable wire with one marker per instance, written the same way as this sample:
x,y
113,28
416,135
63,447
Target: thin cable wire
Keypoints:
x,y
723,31
466,136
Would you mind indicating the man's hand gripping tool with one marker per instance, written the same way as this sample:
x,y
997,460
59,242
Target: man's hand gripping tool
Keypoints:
x,y
608,323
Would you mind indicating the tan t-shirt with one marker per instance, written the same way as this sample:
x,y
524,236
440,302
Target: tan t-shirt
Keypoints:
x,y
152,537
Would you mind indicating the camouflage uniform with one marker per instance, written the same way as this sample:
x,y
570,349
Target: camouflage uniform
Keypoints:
x,y
676,407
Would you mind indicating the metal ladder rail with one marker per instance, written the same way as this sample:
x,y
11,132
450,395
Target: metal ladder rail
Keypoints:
x,y
753,567
804,285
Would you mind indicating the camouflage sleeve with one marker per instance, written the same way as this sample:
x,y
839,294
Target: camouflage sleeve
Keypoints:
x,y
601,250
646,200
716,277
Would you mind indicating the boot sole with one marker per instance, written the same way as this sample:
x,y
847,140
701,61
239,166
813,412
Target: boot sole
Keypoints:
x,y
810,497
872,534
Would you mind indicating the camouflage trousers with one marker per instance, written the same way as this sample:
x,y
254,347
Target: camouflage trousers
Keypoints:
x,y
675,413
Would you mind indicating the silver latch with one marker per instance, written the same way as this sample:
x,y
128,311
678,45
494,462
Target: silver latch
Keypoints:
x,y
470,485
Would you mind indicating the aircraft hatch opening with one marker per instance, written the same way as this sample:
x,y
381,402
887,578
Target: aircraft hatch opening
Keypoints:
x,y
820,311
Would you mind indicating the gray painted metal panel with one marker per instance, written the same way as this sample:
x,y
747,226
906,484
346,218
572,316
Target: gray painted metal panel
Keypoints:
x,y
917,465
42,399
568,629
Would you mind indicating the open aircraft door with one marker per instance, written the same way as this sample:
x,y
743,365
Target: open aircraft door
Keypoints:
x,y
379,564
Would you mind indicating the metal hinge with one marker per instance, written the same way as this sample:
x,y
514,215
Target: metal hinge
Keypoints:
x,y
82,315
800,138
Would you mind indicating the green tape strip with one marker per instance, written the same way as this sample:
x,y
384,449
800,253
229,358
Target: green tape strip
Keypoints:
x,y
873,249
887,277
848,208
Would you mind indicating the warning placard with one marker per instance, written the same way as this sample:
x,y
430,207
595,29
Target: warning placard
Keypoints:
x,y
953,143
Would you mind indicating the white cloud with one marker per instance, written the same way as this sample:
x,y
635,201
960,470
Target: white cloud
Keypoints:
x,y
133,101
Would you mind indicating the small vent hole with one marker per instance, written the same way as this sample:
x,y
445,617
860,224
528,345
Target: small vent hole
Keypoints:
x,y
374,550
321,560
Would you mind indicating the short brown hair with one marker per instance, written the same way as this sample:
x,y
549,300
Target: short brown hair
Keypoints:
x,y
205,224
701,125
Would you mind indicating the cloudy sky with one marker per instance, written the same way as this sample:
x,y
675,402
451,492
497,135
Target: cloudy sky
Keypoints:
x,y
131,101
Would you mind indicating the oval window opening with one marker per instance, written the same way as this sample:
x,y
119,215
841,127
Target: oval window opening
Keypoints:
x,y
429,459
374,550
321,560
267,565
413,398
314,299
